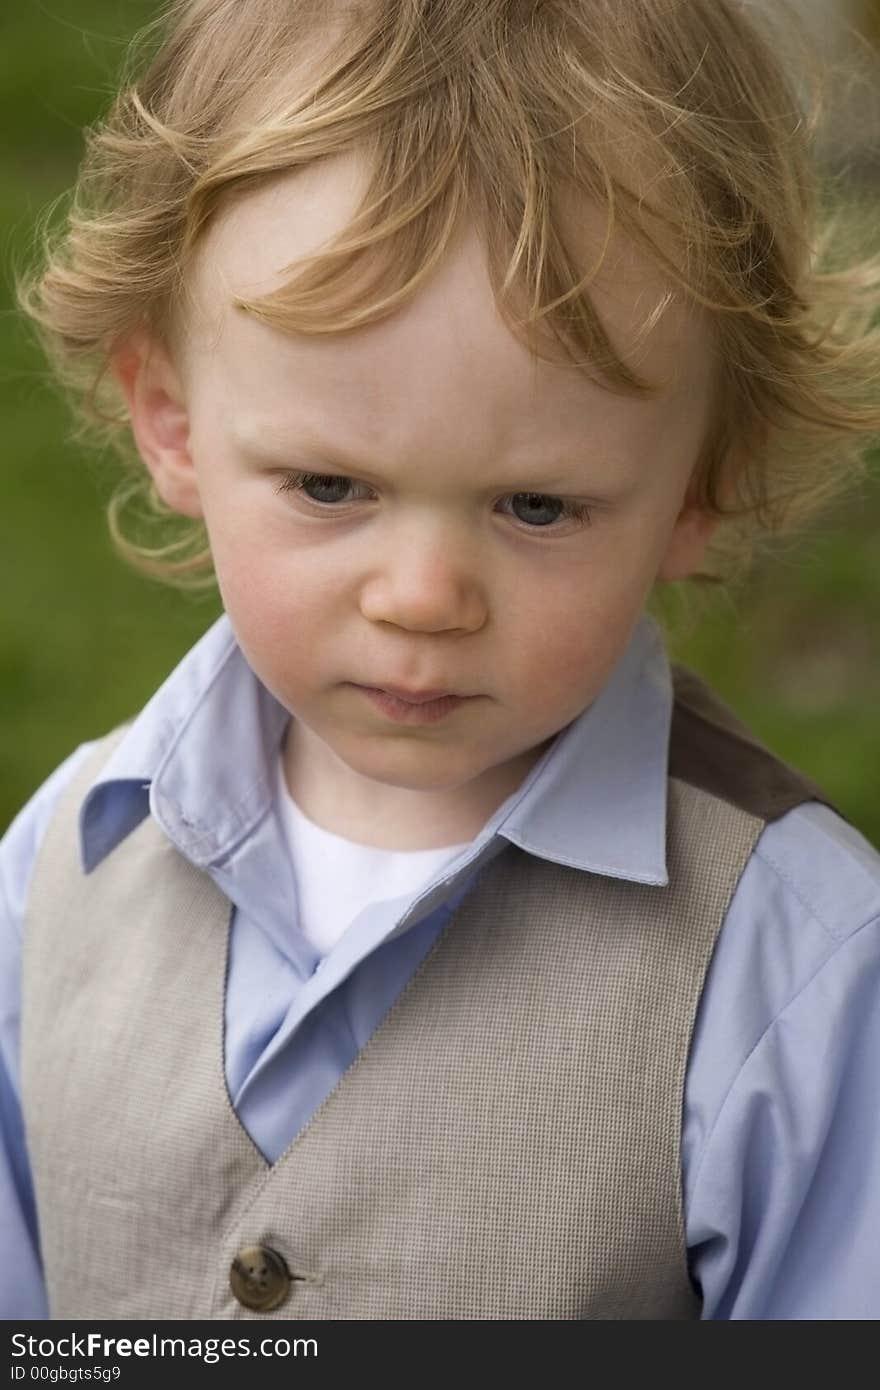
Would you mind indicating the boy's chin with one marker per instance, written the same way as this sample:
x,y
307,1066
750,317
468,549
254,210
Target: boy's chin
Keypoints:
x,y
412,766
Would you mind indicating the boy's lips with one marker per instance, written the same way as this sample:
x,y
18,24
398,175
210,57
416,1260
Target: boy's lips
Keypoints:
x,y
415,707
415,697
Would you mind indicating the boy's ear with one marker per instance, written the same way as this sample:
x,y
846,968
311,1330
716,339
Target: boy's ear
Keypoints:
x,y
691,534
156,402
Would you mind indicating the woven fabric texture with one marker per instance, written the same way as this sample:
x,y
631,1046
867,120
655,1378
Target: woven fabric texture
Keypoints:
x,y
507,1145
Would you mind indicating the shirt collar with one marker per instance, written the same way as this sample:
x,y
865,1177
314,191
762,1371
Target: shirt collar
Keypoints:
x,y
201,756
597,798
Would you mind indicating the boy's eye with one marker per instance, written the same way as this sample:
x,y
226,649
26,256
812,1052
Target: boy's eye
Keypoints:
x,y
537,510
328,486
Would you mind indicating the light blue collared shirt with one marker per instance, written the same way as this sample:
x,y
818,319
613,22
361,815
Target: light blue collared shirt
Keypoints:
x,y
781,1125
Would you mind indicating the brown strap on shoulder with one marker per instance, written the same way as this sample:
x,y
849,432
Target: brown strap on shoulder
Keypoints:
x,y
712,749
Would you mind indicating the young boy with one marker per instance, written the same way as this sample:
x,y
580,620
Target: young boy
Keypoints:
x,y
426,948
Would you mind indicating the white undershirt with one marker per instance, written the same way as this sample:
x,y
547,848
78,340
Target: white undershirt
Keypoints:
x,y
337,878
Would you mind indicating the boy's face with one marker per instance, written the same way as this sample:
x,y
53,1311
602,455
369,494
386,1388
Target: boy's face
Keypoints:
x,y
431,549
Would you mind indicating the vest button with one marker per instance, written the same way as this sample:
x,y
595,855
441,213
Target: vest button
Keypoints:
x,y
259,1278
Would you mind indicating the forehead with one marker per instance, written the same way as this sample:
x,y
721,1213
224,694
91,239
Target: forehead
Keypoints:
x,y
255,244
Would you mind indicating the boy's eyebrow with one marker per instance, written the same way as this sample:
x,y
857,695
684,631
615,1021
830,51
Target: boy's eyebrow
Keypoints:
x,y
560,472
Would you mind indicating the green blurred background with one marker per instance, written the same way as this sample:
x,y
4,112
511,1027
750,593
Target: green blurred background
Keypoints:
x,y
84,642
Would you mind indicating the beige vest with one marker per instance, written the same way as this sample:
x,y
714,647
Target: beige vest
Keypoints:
x,y
506,1146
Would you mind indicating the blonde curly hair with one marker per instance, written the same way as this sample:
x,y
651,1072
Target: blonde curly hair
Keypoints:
x,y
677,116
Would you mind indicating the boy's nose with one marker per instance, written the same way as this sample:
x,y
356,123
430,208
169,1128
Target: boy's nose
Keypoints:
x,y
425,588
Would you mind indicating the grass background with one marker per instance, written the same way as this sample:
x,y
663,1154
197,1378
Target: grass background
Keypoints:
x,y
84,642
